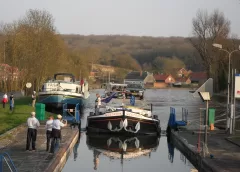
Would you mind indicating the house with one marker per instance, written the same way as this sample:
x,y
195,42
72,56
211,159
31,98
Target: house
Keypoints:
x,y
183,81
181,72
93,74
163,80
142,77
198,77
8,72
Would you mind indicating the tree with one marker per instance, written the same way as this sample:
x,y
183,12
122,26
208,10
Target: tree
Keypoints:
x,y
34,48
208,29
168,65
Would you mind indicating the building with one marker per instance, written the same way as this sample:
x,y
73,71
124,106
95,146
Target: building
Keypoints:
x,y
162,80
142,77
183,81
94,74
8,72
198,78
182,72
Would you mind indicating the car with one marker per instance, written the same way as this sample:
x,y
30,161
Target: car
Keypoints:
x,y
136,90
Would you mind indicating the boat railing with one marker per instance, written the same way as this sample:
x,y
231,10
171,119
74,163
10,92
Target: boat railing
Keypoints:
x,y
57,89
5,157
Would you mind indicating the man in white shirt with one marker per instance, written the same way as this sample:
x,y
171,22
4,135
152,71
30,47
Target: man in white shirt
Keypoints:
x,y
56,131
98,104
48,128
32,124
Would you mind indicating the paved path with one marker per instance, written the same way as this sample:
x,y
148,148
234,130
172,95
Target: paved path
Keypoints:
x,y
38,161
226,155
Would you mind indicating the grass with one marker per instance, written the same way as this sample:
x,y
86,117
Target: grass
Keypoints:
x,y
19,115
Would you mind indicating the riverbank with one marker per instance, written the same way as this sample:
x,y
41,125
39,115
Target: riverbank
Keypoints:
x,y
39,161
19,115
223,155
11,119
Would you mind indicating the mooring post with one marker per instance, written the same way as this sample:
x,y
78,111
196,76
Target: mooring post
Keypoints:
x,y
182,114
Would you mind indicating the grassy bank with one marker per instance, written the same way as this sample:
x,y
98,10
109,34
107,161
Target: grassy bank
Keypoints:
x,y
21,112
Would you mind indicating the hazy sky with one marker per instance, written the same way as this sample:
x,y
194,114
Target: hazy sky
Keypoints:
x,y
131,17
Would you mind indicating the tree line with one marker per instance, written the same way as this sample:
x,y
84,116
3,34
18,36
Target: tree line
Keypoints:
x,y
33,46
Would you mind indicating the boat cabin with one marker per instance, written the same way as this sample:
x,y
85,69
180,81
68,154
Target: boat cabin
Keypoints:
x,y
67,84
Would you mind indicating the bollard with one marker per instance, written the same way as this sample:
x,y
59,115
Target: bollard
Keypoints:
x,y
211,127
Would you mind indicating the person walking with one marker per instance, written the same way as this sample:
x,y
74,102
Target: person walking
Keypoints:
x,y
32,124
48,128
56,131
33,98
4,100
11,102
97,104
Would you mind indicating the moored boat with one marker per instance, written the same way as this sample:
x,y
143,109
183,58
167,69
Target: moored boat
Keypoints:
x,y
56,92
126,120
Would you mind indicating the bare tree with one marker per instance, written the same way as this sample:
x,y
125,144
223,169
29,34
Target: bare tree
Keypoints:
x,y
209,29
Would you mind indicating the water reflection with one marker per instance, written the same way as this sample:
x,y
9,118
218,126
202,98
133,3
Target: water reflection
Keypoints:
x,y
170,150
121,147
75,148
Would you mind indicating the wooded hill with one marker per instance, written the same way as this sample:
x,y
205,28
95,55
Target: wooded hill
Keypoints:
x,y
133,52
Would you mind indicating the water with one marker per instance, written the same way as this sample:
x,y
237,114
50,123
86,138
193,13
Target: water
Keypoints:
x,y
89,158
94,153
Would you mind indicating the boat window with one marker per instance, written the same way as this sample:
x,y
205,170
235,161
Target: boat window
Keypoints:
x,y
76,89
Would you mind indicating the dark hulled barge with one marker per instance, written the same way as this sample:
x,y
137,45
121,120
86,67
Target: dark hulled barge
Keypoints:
x,y
124,120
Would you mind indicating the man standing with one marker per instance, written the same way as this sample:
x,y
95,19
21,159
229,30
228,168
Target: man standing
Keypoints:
x,y
97,104
48,128
4,100
11,102
56,131
33,98
32,124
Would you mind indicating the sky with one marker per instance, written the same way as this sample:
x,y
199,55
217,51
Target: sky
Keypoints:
x,y
158,18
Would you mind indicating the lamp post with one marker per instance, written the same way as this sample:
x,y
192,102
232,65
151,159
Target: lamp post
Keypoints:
x,y
219,46
205,96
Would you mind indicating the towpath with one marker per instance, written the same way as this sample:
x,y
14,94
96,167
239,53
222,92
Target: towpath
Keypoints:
x,y
27,161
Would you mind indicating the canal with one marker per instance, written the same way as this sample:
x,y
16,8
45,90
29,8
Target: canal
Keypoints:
x,y
141,153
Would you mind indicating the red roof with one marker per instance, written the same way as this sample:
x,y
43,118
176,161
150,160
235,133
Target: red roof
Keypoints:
x,y
181,79
198,76
4,65
161,77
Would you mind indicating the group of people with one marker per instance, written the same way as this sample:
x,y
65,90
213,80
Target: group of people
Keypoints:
x,y
5,101
53,132
11,100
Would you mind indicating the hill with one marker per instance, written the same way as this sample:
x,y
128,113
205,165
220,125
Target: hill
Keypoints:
x,y
103,73
133,52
